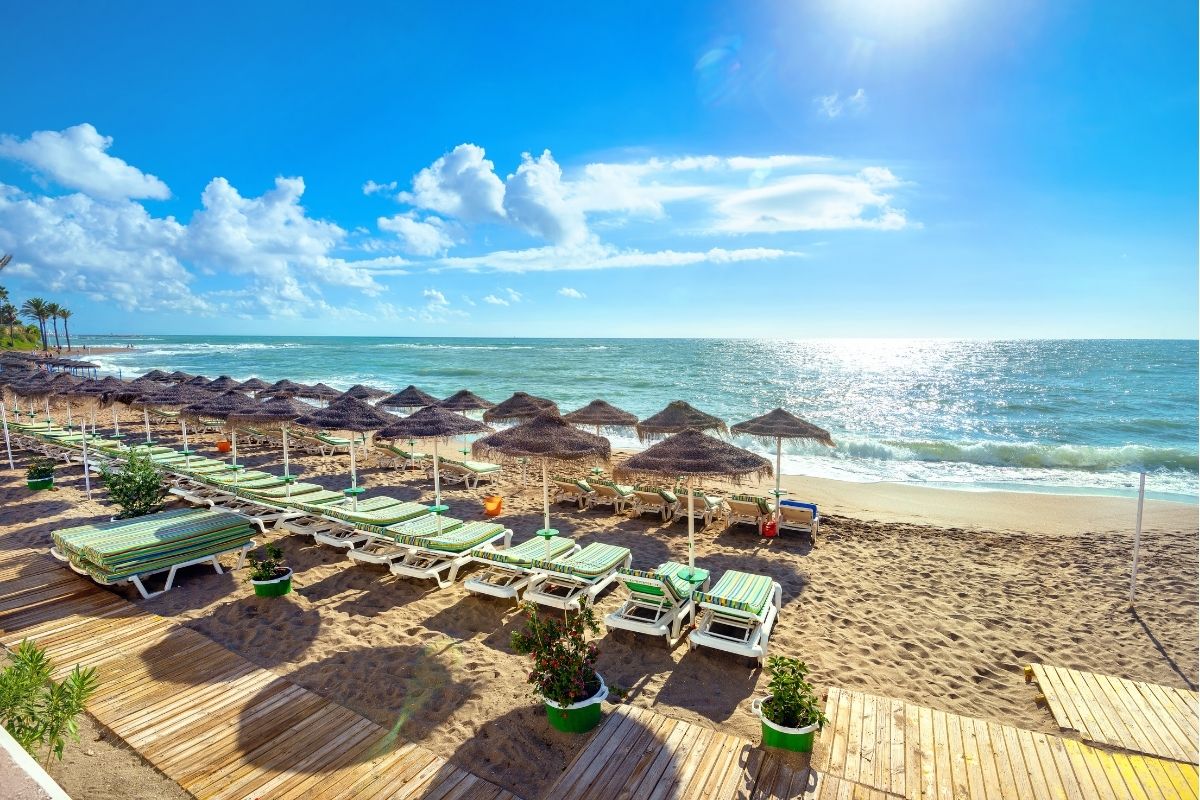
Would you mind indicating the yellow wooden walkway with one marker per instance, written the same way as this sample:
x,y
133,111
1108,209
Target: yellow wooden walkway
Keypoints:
x,y
918,753
638,755
210,720
1133,715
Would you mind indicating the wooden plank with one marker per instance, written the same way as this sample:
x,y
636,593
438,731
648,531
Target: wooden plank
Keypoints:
x,y
912,752
1072,787
929,760
690,762
943,759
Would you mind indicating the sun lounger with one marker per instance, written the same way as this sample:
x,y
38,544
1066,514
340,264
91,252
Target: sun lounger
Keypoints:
x,y
579,492
428,557
398,457
387,543
704,507
659,602
331,445
737,614
663,503
562,583
506,572
468,473
797,516
748,509
612,494
261,512
349,535
130,550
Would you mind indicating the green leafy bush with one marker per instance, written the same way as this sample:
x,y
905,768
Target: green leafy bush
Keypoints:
x,y
564,662
269,568
39,713
793,702
40,469
138,489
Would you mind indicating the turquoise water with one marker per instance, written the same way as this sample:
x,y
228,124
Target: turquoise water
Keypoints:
x,y
1070,416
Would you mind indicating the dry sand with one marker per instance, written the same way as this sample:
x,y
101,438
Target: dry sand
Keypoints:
x,y
934,596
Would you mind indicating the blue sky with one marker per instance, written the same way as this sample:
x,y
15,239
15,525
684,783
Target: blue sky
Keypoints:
x,y
840,168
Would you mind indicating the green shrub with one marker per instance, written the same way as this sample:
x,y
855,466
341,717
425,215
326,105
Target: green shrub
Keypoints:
x,y
269,568
39,713
40,469
138,489
793,702
564,662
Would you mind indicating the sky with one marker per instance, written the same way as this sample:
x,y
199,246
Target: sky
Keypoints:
x,y
875,168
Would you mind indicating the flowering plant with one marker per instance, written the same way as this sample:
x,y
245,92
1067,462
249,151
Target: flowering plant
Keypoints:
x,y
564,663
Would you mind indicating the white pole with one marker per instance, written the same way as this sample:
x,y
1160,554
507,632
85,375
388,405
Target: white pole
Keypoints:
x,y
146,416
437,473
70,422
188,458
87,476
233,436
778,472
7,443
691,530
1137,536
286,473
545,498
116,424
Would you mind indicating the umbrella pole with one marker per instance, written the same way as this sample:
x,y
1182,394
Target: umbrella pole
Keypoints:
x,y
778,473
691,531
437,473
354,476
187,458
233,436
7,442
70,421
146,416
116,424
87,476
46,399
286,473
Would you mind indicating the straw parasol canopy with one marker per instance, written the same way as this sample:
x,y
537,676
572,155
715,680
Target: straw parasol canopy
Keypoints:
x,y
219,406
360,391
156,375
464,400
320,391
179,376
254,385
223,384
174,395
285,385
280,410
781,424
520,406
600,414
347,414
677,417
197,380
691,454
409,397
432,422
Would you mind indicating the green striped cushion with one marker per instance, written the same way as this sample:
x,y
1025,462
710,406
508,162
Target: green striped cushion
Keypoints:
x,y
592,561
459,540
523,554
740,591
317,502
415,529
389,515
298,490
122,542
667,581
764,506
624,491
479,466
396,451
108,573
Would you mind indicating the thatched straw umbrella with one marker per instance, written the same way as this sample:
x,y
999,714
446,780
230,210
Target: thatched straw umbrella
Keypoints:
x,y
197,380
285,386
693,455
176,396
156,375
353,415
464,401
778,425
408,397
85,392
678,417
360,391
519,407
279,410
547,437
319,392
223,384
601,414
220,407
179,376
254,385
433,423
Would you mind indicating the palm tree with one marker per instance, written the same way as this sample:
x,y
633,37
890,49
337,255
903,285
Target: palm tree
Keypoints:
x,y
9,317
3,295
4,259
35,308
53,309
65,314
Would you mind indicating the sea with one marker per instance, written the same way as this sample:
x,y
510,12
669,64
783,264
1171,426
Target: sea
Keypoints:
x,y
1063,416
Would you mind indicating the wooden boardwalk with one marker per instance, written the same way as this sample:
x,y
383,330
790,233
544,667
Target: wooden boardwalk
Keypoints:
x,y
638,754
210,720
1133,715
916,752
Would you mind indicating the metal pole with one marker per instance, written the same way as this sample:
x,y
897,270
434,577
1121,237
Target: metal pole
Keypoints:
x,y
778,472
187,459
437,474
233,436
87,476
146,416
116,424
1137,536
7,443
545,497
286,473
691,530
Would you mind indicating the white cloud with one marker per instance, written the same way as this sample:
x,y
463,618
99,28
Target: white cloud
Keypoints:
x,y
462,184
371,187
574,294
77,158
434,298
536,200
428,237
491,299
594,256
513,295
812,202
834,105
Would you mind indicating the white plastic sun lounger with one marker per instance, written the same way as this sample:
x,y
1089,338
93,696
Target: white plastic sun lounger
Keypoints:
x,y
652,501
737,615
659,602
567,491
381,511
612,494
386,544
506,572
430,556
797,516
562,583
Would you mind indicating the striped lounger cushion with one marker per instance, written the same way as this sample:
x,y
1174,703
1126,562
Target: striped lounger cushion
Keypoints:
x,y
459,540
315,502
298,490
739,591
388,515
524,554
592,561
675,587
416,529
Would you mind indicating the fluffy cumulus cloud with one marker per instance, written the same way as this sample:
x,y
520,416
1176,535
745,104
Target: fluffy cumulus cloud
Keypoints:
x,y
430,236
835,105
78,158
573,294
536,199
818,202
462,184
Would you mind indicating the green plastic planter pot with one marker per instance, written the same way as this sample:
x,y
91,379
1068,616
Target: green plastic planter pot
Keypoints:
x,y
796,740
276,587
578,717
38,484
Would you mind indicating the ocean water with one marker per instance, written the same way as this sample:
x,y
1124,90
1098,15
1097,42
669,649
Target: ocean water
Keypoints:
x,y
1061,416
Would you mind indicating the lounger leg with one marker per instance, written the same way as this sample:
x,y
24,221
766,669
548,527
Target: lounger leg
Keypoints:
x,y
137,582
217,565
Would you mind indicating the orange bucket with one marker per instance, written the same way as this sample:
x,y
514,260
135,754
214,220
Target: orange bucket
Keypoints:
x,y
493,505
224,446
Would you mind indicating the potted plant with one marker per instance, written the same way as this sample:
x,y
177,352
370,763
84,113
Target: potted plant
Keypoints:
x,y
791,713
269,576
564,667
138,488
40,474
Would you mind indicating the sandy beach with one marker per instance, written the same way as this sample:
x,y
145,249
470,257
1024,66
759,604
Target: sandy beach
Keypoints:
x,y
934,596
